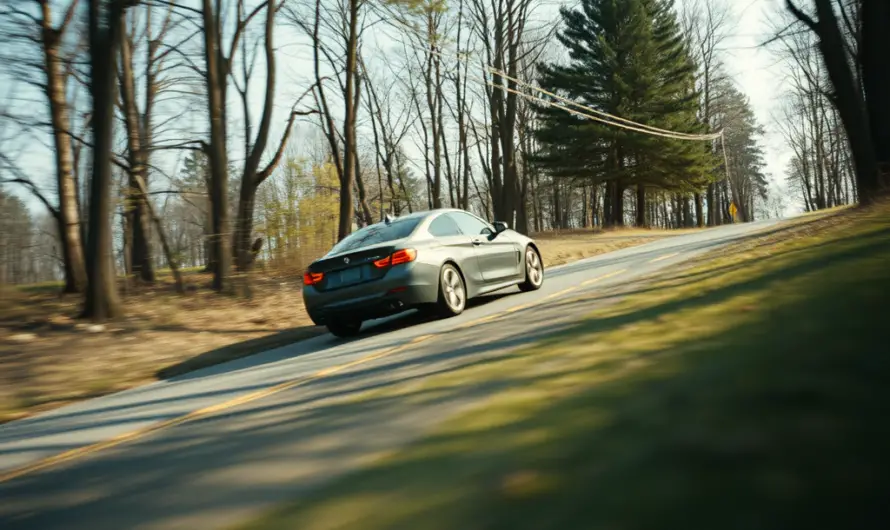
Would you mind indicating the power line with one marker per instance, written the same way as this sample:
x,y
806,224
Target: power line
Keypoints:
x,y
586,112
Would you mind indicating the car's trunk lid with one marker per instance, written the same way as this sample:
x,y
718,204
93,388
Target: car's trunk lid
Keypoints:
x,y
352,267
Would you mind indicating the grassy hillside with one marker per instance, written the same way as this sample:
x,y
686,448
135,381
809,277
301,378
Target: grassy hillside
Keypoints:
x,y
749,391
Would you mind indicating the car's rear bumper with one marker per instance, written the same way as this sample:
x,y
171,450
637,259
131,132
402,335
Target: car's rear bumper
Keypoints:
x,y
403,288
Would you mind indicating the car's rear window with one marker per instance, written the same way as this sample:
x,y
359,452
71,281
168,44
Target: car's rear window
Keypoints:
x,y
375,234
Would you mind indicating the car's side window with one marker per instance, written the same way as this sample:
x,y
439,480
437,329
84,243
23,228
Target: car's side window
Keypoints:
x,y
469,225
444,226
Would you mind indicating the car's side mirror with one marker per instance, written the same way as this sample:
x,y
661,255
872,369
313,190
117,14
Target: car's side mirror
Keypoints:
x,y
499,226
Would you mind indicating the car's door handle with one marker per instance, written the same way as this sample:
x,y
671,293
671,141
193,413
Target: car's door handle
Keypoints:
x,y
477,242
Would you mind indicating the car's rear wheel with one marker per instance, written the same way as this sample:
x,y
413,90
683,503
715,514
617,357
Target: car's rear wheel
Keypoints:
x,y
452,292
349,328
534,270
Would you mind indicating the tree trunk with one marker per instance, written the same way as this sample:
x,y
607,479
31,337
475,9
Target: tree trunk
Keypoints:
x,y
68,215
874,56
642,220
136,209
216,80
618,204
713,208
362,194
595,218
699,211
349,119
465,149
142,188
608,204
102,301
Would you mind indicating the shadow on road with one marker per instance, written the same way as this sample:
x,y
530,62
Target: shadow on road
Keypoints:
x,y
193,368
213,363
324,423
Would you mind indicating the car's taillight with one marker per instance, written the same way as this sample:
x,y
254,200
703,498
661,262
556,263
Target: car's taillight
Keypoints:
x,y
312,278
397,258
404,256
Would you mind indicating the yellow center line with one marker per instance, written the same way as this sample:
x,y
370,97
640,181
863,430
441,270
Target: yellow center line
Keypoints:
x,y
603,277
73,454
199,413
665,257
537,302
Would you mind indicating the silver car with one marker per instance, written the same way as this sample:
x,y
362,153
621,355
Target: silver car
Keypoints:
x,y
433,261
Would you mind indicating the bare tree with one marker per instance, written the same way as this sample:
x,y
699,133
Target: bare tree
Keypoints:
x,y
38,28
811,125
253,175
102,301
500,25
426,23
705,23
388,132
343,57
140,134
218,66
847,94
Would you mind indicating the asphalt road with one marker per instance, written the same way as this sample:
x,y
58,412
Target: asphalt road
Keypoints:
x,y
217,446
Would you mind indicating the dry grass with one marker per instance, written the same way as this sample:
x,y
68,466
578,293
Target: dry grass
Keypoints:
x,y
48,358
563,247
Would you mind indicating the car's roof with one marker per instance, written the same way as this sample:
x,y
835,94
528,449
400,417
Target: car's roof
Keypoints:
x,y
425,213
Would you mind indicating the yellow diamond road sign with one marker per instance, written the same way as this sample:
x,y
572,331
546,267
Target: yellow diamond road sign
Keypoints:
x,y
732,209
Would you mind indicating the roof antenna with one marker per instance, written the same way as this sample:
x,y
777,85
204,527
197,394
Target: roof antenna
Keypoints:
x,y
387,218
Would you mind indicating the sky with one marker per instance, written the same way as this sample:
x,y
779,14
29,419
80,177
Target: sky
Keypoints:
x,y
755,70
761,77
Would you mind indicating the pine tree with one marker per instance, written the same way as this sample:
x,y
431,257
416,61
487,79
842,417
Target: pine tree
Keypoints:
x,y
628,59
747,182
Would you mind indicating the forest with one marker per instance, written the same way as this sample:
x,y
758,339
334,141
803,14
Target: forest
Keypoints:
x,y
149,137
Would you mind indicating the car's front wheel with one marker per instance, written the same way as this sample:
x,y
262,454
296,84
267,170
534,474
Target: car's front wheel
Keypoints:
x,y
534,270
452,292
345,329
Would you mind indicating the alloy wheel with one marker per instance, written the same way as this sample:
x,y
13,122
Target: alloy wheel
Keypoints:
x,y
533,267
453,289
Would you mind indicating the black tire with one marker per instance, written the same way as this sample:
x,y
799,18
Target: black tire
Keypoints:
x,y
534,270
452,292
346,329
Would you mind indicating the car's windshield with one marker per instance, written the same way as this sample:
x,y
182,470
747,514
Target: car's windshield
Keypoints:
x,y
378,233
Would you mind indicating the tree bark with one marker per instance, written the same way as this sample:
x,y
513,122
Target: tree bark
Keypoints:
x,y
699,211
102,301
642,220
68,215
608,203
216,80
874,57
713,208
687,212
136,210
618,204
348,176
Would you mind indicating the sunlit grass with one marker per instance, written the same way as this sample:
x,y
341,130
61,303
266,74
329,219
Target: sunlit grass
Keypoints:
x,y
749,391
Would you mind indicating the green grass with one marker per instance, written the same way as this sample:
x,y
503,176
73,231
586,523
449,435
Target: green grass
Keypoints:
x,y
747,392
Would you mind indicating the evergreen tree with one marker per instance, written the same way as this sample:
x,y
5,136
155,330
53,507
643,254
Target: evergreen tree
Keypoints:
x,y
628,59
747,182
